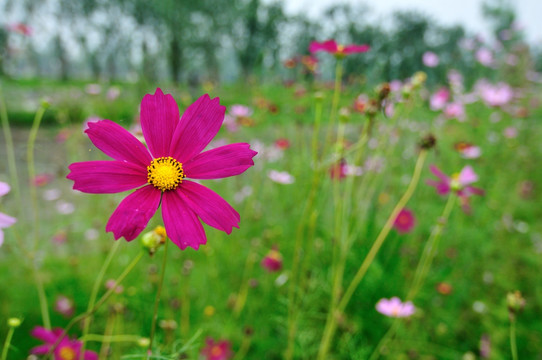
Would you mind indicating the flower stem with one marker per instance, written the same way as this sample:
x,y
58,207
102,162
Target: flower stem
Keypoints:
x,y
110,338
10,149
100,302
7,343
430,249
94,294
513,344
157,300
335,100
243,291
389,334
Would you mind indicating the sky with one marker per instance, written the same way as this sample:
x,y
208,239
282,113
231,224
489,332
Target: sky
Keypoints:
x,y
465,12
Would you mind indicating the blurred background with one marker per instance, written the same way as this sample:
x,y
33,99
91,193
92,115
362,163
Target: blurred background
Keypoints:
x,y
210,40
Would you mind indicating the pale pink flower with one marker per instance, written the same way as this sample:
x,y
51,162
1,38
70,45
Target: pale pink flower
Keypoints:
x,y
510,132
93,89
395,308
459,183
240,111
455,110
5,220
430,59
484,56
64,306
281,177
496,95
439,99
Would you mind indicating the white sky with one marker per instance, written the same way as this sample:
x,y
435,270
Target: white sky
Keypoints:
x,y
448,12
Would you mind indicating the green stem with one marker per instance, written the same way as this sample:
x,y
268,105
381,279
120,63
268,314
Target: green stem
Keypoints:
x,y
430,249
513,344
94,294
335,100
42,298
110,338
157,300
32,171
10,150
100,302
384,232
7,343
243,291
389,334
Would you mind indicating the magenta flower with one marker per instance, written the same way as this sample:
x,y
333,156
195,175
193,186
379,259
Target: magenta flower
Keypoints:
x,y
67,349
395,308
439,99
217,350
430,59
5,220
20,28
405,221
159,173
272,261
459,183
338,50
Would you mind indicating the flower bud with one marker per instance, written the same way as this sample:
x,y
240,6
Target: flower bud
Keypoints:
x,y
14,322
427,142
515,302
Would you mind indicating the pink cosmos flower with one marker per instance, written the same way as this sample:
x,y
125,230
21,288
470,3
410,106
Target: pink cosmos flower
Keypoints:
x,y
338,50
496,95
361,103
282,143
67,349
272,261
217,350
5,220
20,28
405,221
64,306
430,59
240,111
439,99
42,179
395,308
159,173
510,132
459,183
468,151
484,56
455,110
281,177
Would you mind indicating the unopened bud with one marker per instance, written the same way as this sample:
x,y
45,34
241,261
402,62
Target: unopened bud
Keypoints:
x,y
428,142
515,302
14,322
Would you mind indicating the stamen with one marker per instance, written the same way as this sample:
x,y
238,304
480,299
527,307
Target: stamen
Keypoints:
x,y
165,173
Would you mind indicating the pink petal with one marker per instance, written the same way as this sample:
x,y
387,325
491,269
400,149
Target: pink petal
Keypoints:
x,y
224,161
435,170
210,207
45,335
106,177
116,142
40,350
159,117
471,190
329,46
467,176
90,355
4,188
182,224
134,212
351,49
6,220
441,187
198,126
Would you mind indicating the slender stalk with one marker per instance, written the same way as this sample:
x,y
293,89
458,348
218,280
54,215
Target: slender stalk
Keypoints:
x,y
44,309
384,232
157,300
7,342
94,294
389,334
243,291
513,344
430,249
300,231
99,303
111,338
335,100
32,171
10,149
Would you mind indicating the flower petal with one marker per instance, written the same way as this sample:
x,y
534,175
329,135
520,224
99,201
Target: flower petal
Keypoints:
x,y
351,49
116,142
436,171
106,177
133,213
6,220
467,176
45,335
329,46
210,207
90,355
441,187
198,126
40,350
182,225
224,161
159,117
4,188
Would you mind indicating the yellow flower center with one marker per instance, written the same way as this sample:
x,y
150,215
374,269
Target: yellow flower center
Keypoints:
x,y
66,353
165,173
216,351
